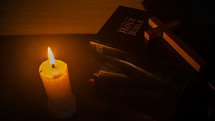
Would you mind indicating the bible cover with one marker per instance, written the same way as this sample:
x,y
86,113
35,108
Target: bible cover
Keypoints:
x,y
122,36
124,30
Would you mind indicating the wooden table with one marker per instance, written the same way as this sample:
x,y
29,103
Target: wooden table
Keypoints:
x,y
23,96
22,93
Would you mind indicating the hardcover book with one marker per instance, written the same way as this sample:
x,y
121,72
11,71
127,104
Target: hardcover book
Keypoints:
x,y
122,36
124,30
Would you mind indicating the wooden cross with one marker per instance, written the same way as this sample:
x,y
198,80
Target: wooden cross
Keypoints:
x,y
159,29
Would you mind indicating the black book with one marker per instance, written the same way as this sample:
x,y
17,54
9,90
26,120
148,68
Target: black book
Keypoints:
x,y
124,30
122,36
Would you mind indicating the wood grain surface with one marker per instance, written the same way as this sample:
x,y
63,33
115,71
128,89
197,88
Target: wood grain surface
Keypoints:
x,y
21,17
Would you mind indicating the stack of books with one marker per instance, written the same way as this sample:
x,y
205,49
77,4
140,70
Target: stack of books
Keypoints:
x,y
152,74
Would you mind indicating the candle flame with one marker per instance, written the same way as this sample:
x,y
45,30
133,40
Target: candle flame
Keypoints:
x,y
51,57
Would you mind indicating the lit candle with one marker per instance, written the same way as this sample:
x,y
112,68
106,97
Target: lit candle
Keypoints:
x,y
55,77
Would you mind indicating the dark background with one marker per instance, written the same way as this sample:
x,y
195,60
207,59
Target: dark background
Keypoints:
x,y
22,93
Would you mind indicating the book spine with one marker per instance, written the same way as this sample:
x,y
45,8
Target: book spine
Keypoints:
x,y
132,76
108,50
152,65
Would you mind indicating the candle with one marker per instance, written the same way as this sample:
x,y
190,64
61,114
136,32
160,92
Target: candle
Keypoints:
x,y
55,78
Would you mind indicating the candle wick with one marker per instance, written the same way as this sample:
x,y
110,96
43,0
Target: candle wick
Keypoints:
x,y
53,66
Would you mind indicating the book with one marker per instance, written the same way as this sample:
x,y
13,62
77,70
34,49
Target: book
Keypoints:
x,y
124,30
122,36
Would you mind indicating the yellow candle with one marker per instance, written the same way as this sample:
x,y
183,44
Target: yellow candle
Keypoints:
x,y
55,77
